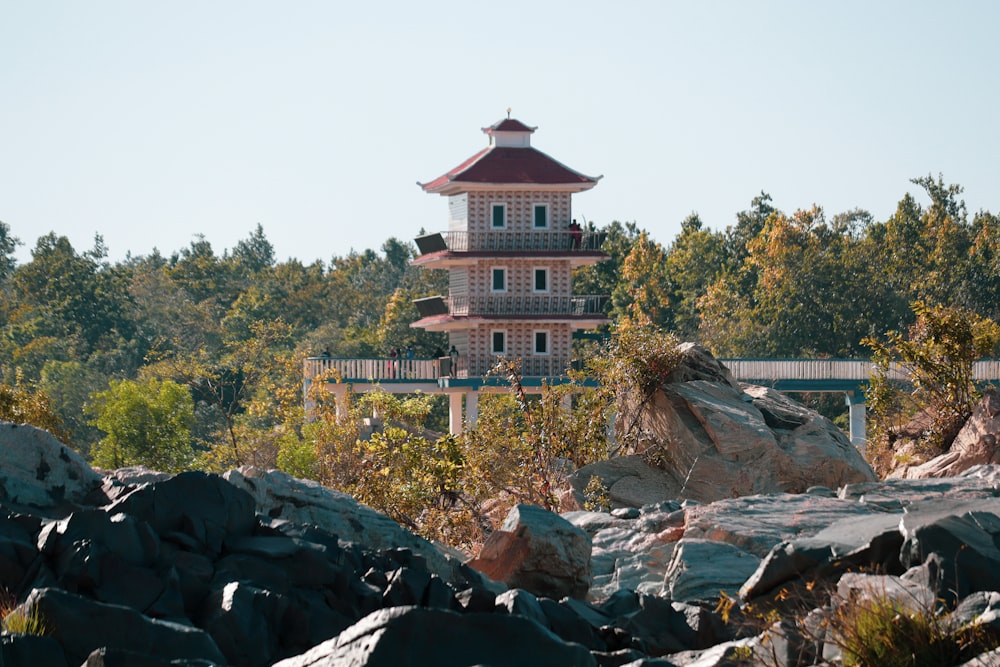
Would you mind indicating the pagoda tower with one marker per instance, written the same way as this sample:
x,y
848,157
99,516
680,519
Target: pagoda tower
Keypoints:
x,y
510,248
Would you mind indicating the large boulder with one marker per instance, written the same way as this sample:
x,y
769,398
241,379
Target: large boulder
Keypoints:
x,y
40,471
283,498
538,551
413,635
976,444
81,626
719,440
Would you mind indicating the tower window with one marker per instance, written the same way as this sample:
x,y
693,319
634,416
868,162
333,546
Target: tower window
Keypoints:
x,y
498,216
499,280
540,216
499,343
541,280
541,342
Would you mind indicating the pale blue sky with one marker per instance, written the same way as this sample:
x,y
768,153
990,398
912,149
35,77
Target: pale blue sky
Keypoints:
x,y
151,122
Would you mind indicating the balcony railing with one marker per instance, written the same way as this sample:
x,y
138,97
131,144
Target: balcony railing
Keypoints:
x,y
424,370
534,240
512,305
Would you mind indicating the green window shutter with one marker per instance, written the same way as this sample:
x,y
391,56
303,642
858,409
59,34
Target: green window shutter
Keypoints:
x,y
541,216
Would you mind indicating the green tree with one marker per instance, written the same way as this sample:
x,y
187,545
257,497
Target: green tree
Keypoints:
x,y
147,423
225,385
693,261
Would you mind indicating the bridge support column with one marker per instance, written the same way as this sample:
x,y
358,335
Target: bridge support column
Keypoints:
x,y
856,413
472,407
455,413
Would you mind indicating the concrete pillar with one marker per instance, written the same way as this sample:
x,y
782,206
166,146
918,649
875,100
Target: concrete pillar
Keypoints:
x,y
340,396
856,413
471,407
455,413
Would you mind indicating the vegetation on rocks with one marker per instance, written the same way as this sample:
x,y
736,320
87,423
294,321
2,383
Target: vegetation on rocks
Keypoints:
x,y
924,377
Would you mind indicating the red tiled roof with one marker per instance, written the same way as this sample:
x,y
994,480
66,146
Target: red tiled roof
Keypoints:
x,y
507,165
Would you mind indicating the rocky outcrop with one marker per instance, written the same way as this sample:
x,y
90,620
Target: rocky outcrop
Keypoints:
x,y
716,439
38,470
976,444
253,569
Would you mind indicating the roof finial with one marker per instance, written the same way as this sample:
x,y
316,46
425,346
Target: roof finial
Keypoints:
x,y
508,113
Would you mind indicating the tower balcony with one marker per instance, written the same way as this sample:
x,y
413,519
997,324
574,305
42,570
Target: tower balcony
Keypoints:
x,y
405,372
459,247
439,313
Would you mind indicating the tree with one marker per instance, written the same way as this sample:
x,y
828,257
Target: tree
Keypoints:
x,y
935,359
21,403
693,261
226,383
147,422
8,244
644,291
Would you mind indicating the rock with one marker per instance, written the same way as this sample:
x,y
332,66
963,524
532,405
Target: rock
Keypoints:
x,y
962,536
19,649
82,626
18,550
718,443
987,659
630,554
915,597
39,471
757,523
628,480
106,657
522,603
703,570
975,444
197,509
981,609
697,363
538,551
303,502
401,635
246,623
716,439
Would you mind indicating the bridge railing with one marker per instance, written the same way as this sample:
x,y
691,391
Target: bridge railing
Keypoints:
x,y
835,369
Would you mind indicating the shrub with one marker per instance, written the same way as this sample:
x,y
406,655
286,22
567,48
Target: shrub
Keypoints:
x,y
884,632
18,621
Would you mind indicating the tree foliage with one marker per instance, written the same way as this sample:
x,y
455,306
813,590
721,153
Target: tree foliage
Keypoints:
x,y
146,423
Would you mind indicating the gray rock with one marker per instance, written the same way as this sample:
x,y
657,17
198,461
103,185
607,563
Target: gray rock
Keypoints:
x,y
200,510
105,657
82,626
628,480
757,523
703,570
987,659
282,497
413,635
719,443
630,554
39,471
246,623
18,649
538,551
